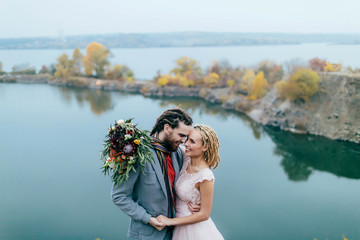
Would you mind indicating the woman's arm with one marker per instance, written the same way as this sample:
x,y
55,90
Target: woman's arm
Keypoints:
x,y
206,194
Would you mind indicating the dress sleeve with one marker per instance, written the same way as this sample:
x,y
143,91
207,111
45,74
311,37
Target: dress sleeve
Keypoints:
x,y
205,174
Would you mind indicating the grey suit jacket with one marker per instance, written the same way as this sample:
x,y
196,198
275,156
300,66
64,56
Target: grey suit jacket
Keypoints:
x,y
144,196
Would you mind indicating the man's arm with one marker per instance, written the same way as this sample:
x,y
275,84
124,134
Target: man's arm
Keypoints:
x,y
121,196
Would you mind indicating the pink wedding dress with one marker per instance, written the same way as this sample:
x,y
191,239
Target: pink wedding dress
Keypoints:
x,y
186,192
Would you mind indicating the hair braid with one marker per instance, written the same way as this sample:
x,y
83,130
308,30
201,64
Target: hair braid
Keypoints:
x,y
210,140
172,117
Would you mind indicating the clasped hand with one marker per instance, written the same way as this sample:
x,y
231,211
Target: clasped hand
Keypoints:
x,y
161,221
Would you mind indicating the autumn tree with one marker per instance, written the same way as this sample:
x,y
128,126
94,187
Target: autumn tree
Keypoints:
x,y
329,67
259,86
186,64
224,70
77,60
317,64
163,80
211,79
247,80
120,72
96,59
189,68
44,69
63,66
303,84
272,71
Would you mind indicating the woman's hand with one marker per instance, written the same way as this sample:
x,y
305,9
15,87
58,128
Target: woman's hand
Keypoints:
x,y
156,223
164,220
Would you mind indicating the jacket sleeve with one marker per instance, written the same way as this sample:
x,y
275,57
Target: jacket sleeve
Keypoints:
x,y
121,196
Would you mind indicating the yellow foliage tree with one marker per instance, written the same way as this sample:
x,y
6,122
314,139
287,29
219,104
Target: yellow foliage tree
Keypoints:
x,y
281,87
63,66
96,59
164,80
184,81
259,86
211,79
120,72
77,59
185,64
302,85
329,67
247,80
230,83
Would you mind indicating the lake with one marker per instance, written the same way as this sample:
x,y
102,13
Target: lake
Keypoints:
x,y
145,62
269,184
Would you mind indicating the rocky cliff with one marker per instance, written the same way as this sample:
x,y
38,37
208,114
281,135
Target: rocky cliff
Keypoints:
x,y
334,112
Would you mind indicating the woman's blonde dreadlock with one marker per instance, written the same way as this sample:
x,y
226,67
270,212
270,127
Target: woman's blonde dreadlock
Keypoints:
x,y
210,140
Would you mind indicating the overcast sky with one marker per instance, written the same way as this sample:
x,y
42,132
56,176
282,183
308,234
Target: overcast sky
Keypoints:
x,y
25,18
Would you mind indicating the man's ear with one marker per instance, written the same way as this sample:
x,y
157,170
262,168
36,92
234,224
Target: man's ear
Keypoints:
x,y
166,128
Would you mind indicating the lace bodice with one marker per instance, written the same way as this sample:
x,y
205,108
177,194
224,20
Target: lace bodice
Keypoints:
x,y
185,187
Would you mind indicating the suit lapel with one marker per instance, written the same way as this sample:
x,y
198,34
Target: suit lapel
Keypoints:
x,y
158,172
175,163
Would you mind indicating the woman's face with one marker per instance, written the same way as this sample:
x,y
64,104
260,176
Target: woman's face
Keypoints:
x,y
194,145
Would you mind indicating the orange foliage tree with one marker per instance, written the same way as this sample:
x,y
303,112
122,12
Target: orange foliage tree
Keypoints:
x,y
317,64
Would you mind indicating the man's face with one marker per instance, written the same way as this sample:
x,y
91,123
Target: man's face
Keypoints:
x,y
175,136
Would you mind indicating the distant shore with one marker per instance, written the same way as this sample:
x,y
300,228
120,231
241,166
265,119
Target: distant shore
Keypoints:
x,y
332,113
177,39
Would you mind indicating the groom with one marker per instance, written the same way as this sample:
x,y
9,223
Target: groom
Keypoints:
x,y
151,193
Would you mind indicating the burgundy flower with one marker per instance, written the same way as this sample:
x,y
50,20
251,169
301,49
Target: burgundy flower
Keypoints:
x,y
128,148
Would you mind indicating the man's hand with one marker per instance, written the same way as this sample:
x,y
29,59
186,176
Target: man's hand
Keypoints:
x,y
194,207
156,224
165,220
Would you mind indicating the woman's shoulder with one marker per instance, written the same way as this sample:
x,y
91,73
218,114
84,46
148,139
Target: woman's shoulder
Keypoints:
x,y
205,174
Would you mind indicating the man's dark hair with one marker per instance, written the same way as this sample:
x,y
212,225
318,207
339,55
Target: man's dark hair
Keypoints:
x,y
172,117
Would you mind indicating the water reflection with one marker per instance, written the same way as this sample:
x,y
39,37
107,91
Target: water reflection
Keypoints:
x,y
99,101
204,108
302,154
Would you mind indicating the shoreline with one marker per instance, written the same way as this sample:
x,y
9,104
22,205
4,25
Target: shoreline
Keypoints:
x,y
332,113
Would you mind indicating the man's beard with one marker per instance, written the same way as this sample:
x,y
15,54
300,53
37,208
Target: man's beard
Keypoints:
x,y
169,144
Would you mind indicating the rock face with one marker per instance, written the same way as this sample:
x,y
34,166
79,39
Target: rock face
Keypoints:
x,y
334,112
152,90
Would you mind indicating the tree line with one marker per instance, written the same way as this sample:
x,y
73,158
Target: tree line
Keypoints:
x,y
293,80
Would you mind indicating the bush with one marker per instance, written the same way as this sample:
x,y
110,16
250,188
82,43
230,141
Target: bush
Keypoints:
x,y
211,79
163,80
302,85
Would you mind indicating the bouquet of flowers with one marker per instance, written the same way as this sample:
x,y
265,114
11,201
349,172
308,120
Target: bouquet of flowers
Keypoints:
x,y
125,147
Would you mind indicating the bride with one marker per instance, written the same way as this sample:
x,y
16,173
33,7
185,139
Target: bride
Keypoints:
x,y
196,184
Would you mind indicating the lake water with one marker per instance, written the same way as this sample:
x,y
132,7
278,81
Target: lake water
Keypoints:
x,y
269,184
145,62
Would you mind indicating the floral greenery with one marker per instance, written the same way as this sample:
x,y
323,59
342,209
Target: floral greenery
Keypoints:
x,y
125,148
